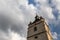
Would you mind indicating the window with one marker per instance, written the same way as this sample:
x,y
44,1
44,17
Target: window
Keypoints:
x,y
36,37
35,28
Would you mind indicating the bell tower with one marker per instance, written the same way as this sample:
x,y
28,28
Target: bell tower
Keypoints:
x,y
38,30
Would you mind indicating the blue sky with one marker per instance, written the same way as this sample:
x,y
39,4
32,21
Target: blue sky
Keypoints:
x,y
15,16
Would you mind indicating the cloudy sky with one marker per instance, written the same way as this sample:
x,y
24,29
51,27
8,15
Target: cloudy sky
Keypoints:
x,y
15,15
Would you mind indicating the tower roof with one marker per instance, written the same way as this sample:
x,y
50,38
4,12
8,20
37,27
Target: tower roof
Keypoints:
x,y
37,18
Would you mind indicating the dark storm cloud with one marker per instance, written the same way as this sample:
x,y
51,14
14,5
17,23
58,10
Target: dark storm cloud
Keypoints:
x,y
8,22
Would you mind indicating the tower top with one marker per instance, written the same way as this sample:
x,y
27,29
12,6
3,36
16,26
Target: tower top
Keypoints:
x,y
37,18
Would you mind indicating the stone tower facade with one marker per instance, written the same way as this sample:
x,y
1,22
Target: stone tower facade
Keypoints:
x,y
38,30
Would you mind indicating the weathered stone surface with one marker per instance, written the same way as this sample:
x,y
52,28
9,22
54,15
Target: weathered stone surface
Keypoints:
x,y
42,32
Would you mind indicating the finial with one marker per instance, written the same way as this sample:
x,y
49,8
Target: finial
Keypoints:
x,y
30,22
41,17
36,17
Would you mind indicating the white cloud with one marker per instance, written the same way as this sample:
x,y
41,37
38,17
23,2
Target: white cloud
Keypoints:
x,y
10,36
46,10
57,4
22,2
15,36
10,10
55,35
21,13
